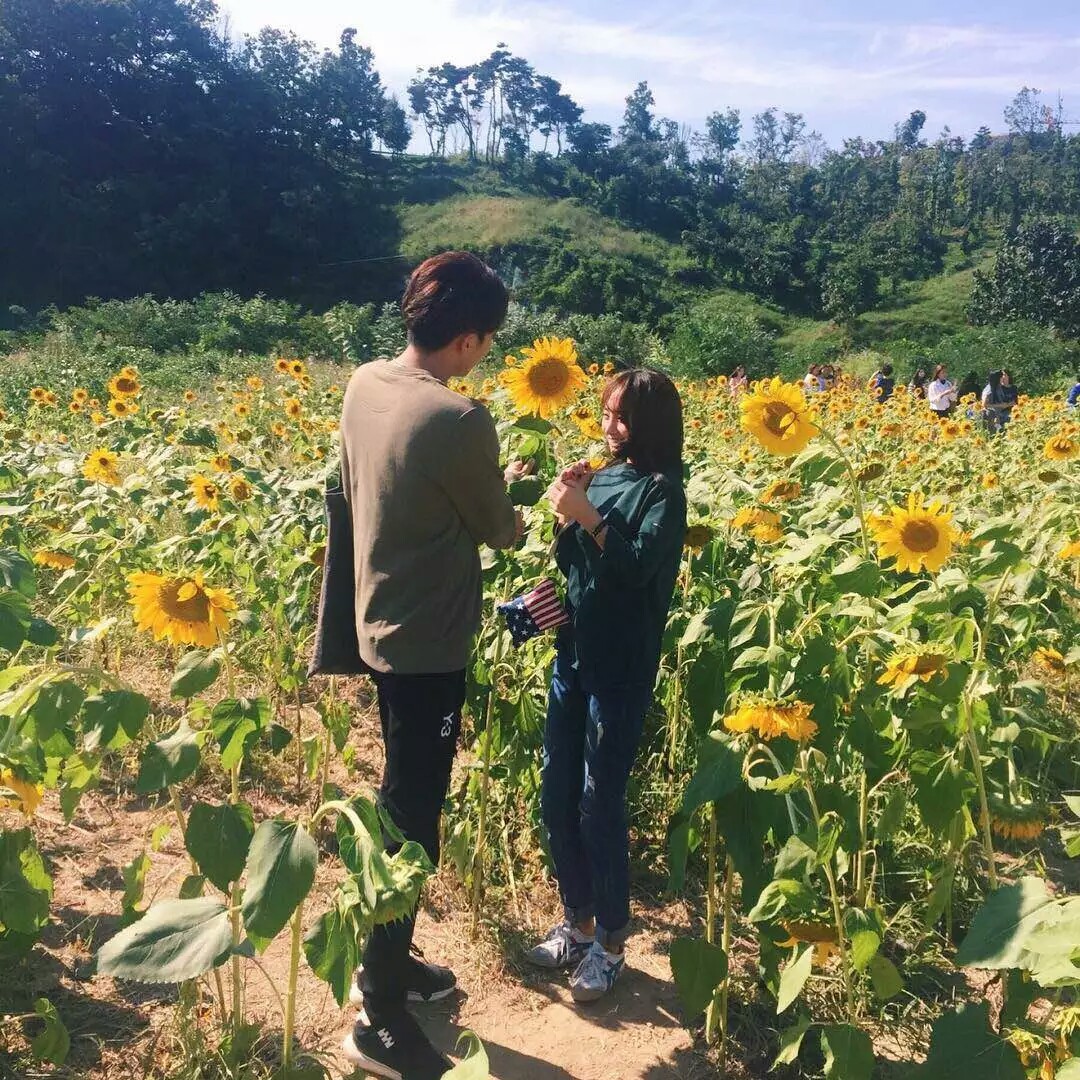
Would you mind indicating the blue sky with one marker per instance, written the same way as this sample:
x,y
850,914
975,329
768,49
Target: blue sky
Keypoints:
x,y
852,68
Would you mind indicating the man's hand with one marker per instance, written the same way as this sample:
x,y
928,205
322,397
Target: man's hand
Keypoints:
x,y
518,470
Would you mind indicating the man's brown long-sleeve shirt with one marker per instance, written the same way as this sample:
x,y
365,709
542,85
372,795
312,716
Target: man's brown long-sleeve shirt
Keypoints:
x,y
420,471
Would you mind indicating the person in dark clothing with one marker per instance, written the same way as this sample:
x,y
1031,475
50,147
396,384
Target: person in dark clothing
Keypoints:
x,y
421,477
1072,398
620,550
917,386
882,383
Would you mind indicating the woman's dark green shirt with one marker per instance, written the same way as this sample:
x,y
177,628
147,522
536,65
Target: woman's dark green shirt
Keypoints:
x,y
619,596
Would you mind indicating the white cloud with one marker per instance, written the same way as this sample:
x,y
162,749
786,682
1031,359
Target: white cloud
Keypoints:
x,y
701,58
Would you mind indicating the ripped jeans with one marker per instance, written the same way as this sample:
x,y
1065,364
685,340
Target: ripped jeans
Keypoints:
x,y
590,741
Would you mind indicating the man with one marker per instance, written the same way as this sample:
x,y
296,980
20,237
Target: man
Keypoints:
x,y
420,472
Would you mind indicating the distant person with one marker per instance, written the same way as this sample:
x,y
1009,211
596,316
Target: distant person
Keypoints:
x,y
917,386
1072,398
1010,394
993,402
812,381
882,383
827,377
421,477
620,548
941,393
738,381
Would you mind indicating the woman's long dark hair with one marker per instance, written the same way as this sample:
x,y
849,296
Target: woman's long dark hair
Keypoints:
x,y
651,410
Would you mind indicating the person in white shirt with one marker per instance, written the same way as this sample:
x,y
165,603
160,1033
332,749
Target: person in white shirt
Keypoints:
x,y
941,393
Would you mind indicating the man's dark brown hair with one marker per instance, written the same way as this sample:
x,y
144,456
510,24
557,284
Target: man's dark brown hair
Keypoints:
x,y
452,294
649,406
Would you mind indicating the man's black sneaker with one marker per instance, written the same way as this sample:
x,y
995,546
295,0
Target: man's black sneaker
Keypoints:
x,y
394,1047
426,982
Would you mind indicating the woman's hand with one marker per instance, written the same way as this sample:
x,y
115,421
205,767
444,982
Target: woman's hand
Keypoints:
x,y
571,503
579,472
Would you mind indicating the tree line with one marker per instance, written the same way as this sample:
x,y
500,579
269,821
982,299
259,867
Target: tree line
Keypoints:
x,y
144,149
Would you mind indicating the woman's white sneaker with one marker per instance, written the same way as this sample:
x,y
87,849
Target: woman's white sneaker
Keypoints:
x,y
596,974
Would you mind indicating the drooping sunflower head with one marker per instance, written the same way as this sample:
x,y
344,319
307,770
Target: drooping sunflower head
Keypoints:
x,y
182,609
221,463
697,536
205,492
1016,820
548,380
55,560
778,416
773,717
918,537
911,665
101,466
749,517
1070,550
1061,448
781,491
293,408
239,489
18,793
1049,661
766,533
587,424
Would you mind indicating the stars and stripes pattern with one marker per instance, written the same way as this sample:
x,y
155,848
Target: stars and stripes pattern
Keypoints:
x,y
532,614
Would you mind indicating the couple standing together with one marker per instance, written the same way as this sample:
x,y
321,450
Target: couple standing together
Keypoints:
x,y
421,475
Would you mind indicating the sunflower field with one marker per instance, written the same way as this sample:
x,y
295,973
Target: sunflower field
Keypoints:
x,y
859,771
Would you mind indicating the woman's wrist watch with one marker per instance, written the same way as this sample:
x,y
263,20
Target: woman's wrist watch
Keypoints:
x,y
598,528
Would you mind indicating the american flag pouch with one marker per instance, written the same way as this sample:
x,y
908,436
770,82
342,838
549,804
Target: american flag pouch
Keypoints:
x,y
534,613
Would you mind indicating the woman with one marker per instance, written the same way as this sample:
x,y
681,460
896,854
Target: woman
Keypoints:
x,y
812,380
917,386
738,381
941,393
995,404
620,549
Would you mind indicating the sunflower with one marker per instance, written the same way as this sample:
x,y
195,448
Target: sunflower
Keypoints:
x,y
239,489
950,429
254,382
297,369
771,718
125,385
221,463
1070,551
278,430
80,395
548,380
121,407
990,481
75,407
697,536
821,935
1049,661
907,667
919,537
190,396
38,395
182,609
586,424
97,417
781,491
1061,448
19,794
100,465
204,491
1012,821
293,408
767,534
778,416
281,366
56,560
751,516
609,368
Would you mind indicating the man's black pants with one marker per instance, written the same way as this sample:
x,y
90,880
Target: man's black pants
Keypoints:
x,y
421,722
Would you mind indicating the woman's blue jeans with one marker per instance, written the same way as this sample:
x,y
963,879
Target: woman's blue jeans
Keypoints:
x,y
590,742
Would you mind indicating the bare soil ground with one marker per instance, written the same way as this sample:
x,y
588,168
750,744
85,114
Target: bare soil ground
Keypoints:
x,y
527,1021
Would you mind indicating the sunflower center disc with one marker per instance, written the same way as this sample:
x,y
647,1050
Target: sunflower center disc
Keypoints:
x,y
195,609
547,378
920,536
777,417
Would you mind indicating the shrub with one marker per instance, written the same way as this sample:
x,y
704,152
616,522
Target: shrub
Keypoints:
x,y
1034,356
712,339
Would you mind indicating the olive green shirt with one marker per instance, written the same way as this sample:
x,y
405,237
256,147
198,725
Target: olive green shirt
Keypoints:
x,y
420,471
